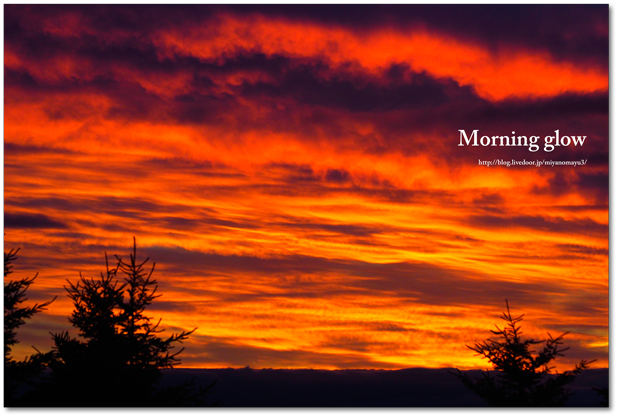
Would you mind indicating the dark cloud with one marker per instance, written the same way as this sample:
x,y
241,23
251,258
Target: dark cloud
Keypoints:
x,y
596,184
563,182
31,221
293,174
367,191
359,230
535,26
163,305
420,282
490,199
547,27
584,226
25,81
302,82
390,327
352,342
582,208
541,109
123,207
580,249
336,175
181,223
14,149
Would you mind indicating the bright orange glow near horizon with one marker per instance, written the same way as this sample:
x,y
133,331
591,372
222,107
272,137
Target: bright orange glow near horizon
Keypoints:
x,y
298,181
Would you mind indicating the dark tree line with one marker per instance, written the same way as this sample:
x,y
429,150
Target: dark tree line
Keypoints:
x,y
117,357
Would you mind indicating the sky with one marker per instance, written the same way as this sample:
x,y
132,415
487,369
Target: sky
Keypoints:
x,y
295,173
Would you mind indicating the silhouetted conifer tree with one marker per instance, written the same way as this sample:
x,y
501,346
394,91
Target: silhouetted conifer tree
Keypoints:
x,y
119,360
18,373
524,379
604,393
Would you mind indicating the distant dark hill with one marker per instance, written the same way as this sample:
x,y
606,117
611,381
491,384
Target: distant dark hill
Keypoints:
x,y
413,387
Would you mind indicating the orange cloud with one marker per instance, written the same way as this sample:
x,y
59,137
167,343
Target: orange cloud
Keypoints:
x,y
495,75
